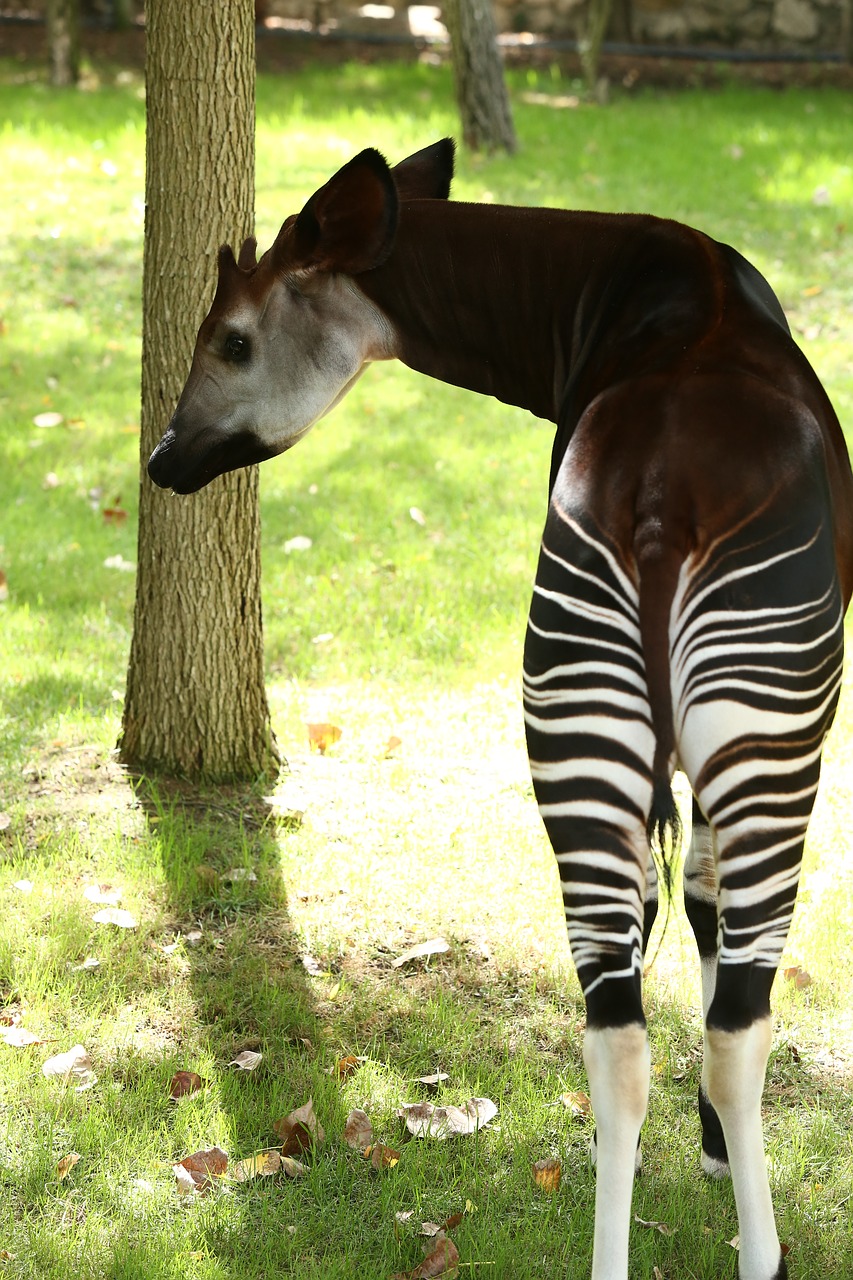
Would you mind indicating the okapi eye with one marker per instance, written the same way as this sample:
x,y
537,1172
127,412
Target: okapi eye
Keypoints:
x,y
237,348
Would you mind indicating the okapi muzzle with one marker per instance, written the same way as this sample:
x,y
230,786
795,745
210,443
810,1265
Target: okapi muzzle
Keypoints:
x,y
694,570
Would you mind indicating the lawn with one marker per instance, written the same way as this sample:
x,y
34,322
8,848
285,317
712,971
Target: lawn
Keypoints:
x,y
392,628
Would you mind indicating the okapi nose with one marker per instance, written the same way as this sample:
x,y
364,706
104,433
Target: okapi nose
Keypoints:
x,y
158,463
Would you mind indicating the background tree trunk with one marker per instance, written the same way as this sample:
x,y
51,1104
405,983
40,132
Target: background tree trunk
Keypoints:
x,y
589,46
195,704
63,41
479,76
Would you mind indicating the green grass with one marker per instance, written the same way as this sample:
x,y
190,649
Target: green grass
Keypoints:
x,y
442,837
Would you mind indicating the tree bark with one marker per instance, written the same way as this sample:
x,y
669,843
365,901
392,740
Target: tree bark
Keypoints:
x,y
63,41
479,77
195,704
589,46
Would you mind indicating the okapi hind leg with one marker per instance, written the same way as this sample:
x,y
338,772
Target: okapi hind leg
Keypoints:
x,y
700,902
591,747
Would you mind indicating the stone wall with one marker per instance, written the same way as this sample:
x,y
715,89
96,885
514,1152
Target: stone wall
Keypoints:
x,y
800,27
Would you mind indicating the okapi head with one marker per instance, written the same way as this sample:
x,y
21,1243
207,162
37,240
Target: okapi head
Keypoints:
x,y
286,337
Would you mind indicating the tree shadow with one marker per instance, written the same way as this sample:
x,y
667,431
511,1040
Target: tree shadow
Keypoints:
x,y
246,988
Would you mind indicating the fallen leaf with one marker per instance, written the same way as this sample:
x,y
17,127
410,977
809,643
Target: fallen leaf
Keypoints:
x,y
23,886
49,419
358,1131
393,744
203,1167
312,965
799,977
117,916
85,966
424,1120
434,947
114,515
5,824
261,1165
73,1065
185,1083
657,1274
293,1168
577,1102
300,1130
51,481
323,736
443,1260
734,1242
433,1081
346,1066
66,1164
811,291
119,562
382,1157
19,1037
662,1227
102,893
239,873
248,1060
417,515
299,543
547,1174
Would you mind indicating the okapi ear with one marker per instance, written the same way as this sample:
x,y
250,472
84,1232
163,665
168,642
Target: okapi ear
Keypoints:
x,y
349,224
427,174
248,254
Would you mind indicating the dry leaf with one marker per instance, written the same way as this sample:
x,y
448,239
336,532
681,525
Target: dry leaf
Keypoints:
x,y
300,1130
734,1242
261,1165
247,1060
239,873
433,1081
114,515
382,1157
323,736
117,916
799,977
185,1083
102,893
442,1261
358,1131
424,1120
656,1226
417,515
346,1066
91,962
19,1037
434,947
23,886
66,1164
49,419
73,1065
657,1274
577,1102
5,824
393,744
312,965
547,1174
202,1167
299,543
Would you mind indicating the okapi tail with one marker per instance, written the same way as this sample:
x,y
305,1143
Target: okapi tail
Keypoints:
x,y
664,830
658,582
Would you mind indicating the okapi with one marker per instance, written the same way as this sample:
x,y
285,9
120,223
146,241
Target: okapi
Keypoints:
x,y
687,612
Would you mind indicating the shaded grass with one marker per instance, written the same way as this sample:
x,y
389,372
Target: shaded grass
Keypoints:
x,y
421,628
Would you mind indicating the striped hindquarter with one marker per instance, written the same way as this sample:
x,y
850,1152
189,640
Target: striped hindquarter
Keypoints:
x,y
755,645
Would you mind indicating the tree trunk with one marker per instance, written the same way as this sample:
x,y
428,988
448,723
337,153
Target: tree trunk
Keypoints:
x,y
195,704
589,46
479,77
63,41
